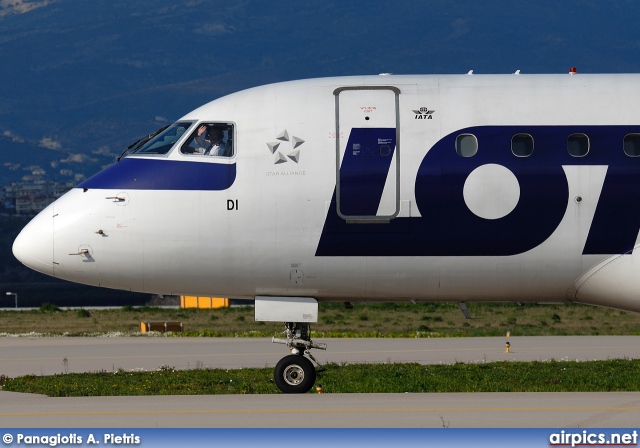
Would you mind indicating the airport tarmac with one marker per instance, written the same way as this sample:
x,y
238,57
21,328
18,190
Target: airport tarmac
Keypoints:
x,y
46,356
51,355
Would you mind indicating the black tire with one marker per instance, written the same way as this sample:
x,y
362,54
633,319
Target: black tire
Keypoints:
x,y
294,374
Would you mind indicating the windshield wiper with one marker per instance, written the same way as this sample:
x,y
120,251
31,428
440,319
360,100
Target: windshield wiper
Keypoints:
x,y
140,142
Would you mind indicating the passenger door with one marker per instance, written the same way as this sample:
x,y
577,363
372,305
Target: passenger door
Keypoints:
x,y
367,153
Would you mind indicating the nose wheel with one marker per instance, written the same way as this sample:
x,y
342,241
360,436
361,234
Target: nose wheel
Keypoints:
x,y
294,374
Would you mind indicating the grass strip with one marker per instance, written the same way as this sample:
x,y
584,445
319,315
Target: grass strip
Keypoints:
x,y
395,319
505,376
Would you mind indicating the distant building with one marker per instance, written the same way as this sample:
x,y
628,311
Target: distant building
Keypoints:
x,y
29,198
212,302
203,302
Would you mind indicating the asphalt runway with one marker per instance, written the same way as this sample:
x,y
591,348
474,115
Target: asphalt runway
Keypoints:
x,y
46,356
51,355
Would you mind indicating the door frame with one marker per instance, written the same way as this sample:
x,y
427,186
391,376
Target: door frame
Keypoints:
x,y
368,218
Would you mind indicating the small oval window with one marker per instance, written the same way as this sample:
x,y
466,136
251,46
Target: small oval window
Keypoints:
x,y
578,145
466,145
522,145
632,145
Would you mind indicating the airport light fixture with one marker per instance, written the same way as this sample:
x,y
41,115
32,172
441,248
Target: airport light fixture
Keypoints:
x,y
14,294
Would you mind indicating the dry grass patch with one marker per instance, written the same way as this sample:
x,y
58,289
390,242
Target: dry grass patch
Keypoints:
x,y
382,320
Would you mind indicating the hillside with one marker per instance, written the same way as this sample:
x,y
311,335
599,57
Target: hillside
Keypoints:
x,y
81,80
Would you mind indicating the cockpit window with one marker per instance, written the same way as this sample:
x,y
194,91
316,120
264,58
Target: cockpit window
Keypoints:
x,y
162,141
210,139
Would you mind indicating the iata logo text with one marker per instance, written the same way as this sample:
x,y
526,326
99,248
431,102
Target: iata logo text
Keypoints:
x,y
424,113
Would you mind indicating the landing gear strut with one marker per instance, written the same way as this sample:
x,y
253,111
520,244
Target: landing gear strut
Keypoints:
x,y
295,374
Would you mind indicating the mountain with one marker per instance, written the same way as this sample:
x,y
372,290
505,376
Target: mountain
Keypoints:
x,y
81,80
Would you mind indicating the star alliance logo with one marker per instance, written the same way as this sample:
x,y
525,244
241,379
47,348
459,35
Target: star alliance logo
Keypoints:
x,y
291,149
424,114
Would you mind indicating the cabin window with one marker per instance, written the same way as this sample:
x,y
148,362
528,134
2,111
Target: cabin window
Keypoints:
x,y
466,145
163,140
632,145
210,139
578,145
522,145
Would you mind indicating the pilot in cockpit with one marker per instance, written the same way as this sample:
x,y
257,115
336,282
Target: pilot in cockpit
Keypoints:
x,y
209,140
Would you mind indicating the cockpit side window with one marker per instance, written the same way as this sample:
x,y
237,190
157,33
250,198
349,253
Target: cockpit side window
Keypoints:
x,y
210,139
163,140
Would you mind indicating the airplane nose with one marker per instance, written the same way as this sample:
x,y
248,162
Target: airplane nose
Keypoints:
x,y
34,245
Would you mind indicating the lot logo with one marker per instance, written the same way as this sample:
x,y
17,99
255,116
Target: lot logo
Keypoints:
x,y
424,113
291,150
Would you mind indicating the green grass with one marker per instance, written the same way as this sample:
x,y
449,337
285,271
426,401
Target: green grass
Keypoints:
x,y
371,320
554,376
399,319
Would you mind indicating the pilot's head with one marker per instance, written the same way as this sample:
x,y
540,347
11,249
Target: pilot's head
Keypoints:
x,y
214,133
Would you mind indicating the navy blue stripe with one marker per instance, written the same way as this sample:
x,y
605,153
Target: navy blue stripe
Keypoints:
x,y
364,169
448,228
154,174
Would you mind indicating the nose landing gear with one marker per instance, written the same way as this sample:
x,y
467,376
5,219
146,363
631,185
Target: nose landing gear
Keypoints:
x,y
295,373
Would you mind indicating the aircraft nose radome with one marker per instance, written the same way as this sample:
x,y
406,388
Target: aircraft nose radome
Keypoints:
x,y
34,245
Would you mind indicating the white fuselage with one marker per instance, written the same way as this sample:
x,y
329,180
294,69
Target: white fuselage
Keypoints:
x,y
368,188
